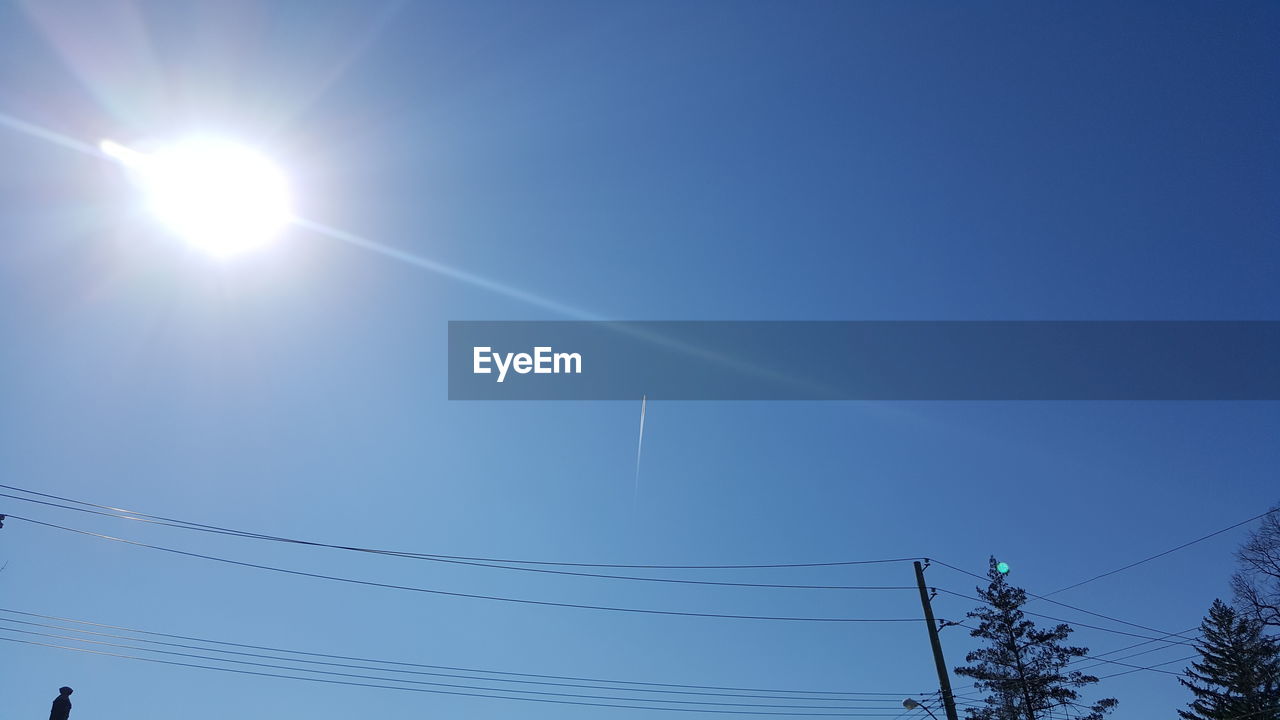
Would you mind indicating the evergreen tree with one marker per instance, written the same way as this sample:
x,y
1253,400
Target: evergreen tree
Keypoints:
x,y
1238,675
1023,669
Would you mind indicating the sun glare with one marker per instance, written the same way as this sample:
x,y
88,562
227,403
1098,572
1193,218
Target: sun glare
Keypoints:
x,y
219,196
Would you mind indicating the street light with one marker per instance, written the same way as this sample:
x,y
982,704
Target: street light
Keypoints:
x,y
912,705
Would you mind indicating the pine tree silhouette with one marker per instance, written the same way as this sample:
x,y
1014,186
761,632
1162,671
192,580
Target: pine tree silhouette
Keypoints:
x,y
1238,675
1023,668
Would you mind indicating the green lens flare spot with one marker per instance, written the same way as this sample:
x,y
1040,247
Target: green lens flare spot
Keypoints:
x,y
1002,568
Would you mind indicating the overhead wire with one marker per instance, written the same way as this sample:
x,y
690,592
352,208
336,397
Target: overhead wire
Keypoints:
x,y
597,684
1075,623
1144,642
332,673
1115,571
438,667
1151,667
677,581
968,688
1054,602
1104,661
1166,552
1100,657
451,593
438,691
922,702
161,520
120,513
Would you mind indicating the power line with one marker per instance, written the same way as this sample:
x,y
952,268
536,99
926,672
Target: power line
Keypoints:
x,y
1102,656
450,593
1079,624
1114,662
922,701
1113,572
1055,602
1099,656
1105,617
1145,642
598,683
1166,552
1152,667
412,556
1167,646
184,524
543,693
431,690
1165,635
1070,607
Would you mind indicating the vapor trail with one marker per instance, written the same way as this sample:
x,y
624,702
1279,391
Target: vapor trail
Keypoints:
x,y
640,445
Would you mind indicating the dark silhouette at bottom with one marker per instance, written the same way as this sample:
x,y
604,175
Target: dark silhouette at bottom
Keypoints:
x,y
61,705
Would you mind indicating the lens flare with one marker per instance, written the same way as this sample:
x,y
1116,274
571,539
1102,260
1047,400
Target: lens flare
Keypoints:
x,y
219,196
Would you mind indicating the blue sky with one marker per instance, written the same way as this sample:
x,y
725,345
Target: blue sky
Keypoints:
x,y
640,161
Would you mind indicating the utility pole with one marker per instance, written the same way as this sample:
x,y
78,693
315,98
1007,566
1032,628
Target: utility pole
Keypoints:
x,y
944,681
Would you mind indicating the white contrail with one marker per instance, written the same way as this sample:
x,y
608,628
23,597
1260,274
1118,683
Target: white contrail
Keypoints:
x,y
640,445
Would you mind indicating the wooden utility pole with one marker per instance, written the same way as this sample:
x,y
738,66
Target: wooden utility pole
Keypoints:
x,y
944,681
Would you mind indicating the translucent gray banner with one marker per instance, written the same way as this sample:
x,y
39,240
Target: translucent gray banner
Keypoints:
x,y
918,360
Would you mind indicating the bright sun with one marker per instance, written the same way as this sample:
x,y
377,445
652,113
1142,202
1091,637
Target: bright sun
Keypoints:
x,y
219,196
